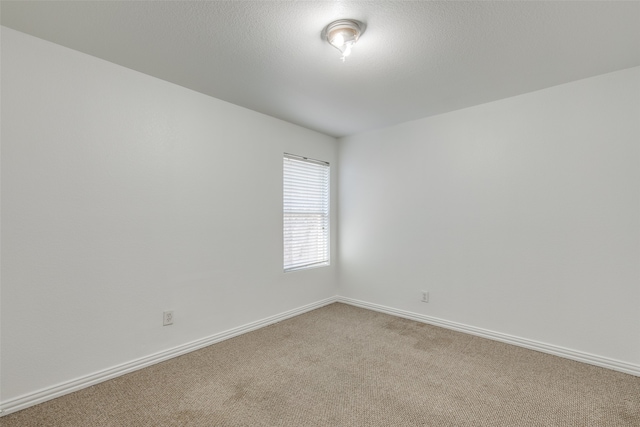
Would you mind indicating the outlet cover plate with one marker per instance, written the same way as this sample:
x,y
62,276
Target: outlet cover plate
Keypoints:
x,y
425,296
167,318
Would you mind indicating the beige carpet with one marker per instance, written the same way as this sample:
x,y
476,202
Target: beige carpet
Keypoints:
x,y
345,366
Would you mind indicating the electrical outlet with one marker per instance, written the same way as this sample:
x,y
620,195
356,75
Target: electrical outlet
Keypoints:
x,y
167,318
425,296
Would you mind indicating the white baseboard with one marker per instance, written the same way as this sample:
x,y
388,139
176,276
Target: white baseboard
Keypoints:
x,y
592,359
30,399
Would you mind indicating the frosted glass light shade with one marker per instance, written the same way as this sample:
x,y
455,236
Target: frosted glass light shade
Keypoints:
x,y
343,34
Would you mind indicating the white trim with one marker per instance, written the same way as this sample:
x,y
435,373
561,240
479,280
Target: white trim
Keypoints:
x,y
27,400
30,399
592,359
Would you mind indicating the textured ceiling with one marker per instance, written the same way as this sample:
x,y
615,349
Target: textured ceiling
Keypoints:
x,y
416,58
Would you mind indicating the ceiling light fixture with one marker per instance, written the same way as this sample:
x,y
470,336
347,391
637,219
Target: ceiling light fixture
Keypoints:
x,y
343,34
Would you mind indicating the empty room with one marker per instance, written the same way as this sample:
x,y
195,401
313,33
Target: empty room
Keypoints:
x,y
320,213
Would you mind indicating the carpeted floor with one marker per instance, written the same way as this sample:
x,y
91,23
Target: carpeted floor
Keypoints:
x,y
345,366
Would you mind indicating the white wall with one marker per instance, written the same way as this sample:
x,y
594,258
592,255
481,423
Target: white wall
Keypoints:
x,y
123,196
520,216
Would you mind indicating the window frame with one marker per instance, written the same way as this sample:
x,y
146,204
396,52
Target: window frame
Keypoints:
x,y
322,246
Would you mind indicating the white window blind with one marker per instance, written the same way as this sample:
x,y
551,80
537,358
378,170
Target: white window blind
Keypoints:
x,y
306,212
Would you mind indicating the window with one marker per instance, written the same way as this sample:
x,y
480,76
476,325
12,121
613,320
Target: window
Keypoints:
x,y
306,212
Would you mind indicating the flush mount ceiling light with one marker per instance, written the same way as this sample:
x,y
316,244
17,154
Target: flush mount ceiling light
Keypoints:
x,y
343,34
